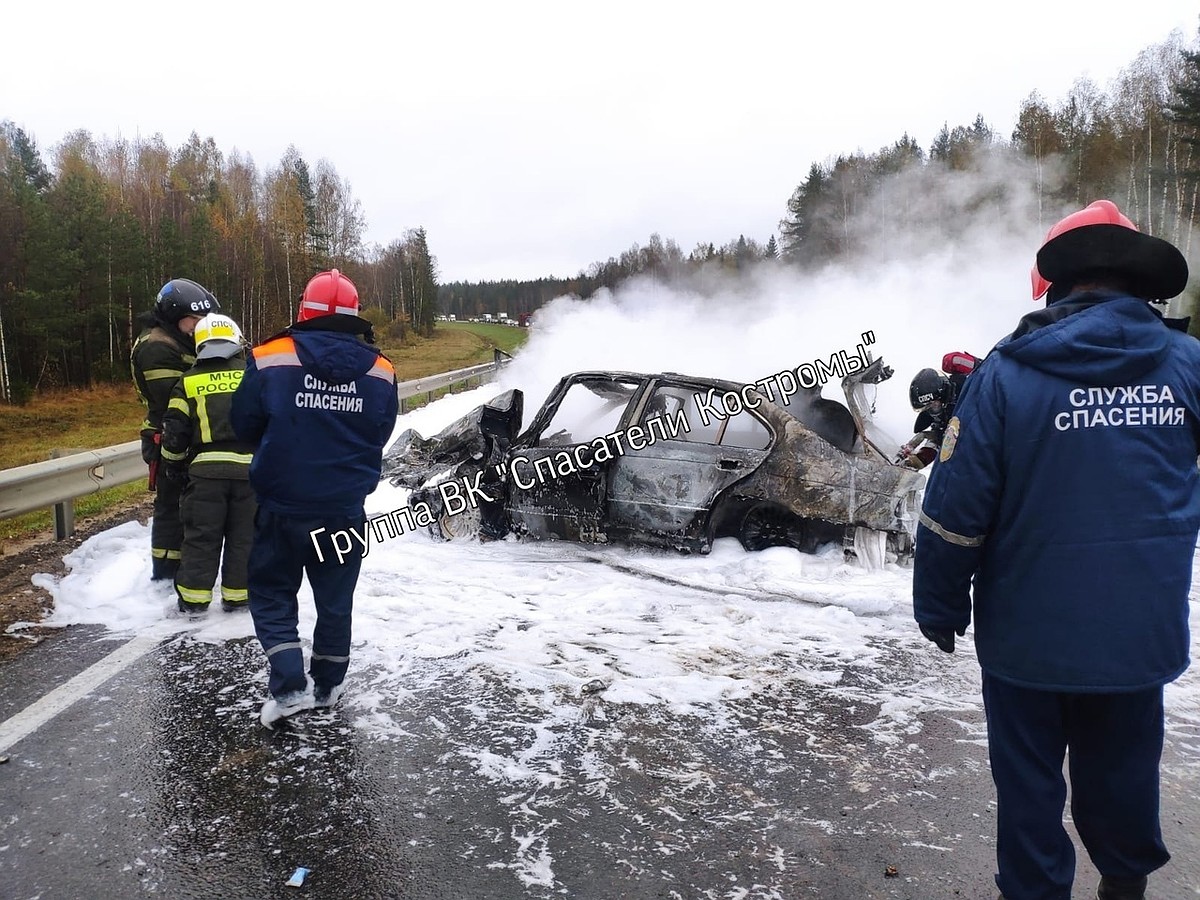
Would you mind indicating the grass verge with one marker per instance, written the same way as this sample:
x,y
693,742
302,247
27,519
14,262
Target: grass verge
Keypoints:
x,y
111,414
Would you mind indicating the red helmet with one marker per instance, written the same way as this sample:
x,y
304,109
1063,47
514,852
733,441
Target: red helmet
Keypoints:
x,y
959,363
327,293
1101,238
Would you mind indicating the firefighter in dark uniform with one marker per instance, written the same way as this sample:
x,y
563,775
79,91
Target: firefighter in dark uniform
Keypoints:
x,y
200,449
1061,519
933,395
162,353
319,402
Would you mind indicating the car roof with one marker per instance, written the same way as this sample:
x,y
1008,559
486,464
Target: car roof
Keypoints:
x,y
612,373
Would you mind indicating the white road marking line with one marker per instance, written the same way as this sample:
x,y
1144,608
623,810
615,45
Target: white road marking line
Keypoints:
x,y
38,713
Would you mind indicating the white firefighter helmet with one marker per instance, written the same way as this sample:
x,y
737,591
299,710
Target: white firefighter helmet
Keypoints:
x,y
216,336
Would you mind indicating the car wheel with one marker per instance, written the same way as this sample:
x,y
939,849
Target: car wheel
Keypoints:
x,y
769,526
461,526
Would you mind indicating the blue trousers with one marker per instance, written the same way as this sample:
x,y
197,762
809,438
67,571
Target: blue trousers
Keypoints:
x,y
1115,745
283,553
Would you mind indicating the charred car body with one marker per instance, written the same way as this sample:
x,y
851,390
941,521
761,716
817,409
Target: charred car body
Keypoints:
x,y
665,460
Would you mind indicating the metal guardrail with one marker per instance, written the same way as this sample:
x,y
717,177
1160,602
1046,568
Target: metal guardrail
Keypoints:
x,y
431,383
57,482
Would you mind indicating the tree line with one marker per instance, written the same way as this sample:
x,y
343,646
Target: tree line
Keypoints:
x,y
658,258
88,238
1136,144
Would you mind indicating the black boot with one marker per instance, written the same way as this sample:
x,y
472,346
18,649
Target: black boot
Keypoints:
x,y
192,610
163,569
1112,888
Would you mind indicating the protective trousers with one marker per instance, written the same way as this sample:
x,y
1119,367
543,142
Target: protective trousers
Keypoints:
x,y
1115,745
166,529
218,532
286,548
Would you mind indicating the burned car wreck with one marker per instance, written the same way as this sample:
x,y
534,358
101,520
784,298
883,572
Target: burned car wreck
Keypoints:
x,y
665,460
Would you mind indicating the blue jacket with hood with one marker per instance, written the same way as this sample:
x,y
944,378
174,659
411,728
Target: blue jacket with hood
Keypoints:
x,y
1067,490
320,405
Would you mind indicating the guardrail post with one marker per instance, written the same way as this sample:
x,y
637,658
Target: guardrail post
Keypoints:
x,y
64,512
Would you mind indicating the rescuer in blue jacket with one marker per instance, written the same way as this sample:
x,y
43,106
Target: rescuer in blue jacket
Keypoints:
x,y
1067,495
319,403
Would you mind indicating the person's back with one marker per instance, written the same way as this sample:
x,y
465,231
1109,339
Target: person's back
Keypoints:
x,y
320,404
1084,573
1067,498
323,410
200,447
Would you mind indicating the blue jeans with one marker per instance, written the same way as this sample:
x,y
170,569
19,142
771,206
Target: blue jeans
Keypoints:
x,y
283,552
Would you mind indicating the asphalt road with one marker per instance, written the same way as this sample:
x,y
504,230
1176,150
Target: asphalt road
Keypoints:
x,y
148,774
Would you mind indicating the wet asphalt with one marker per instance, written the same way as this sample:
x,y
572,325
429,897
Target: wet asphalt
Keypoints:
x,y
161,782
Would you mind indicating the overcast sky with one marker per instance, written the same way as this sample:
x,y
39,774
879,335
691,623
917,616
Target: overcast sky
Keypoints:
x,y
534,138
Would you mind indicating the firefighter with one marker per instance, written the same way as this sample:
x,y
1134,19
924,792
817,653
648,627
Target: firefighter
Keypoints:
x,y
319,402
1061,518
201,451
162,353
933,395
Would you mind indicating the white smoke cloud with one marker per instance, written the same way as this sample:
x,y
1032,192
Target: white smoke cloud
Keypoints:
x,y
956,277
962,283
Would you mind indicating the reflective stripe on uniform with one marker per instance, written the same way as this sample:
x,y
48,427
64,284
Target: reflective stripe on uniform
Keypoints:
x,y
223,456
160,553
158,374
234,595
950,536
279,352
197,389
290,645
336,659
195,596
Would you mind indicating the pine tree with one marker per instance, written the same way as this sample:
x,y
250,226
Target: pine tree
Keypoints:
x,y
798,227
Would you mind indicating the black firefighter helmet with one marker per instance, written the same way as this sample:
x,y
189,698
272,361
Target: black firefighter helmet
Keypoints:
x,y
928,385
182,297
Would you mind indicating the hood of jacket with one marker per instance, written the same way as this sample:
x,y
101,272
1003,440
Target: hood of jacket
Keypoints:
x,y
333,356
1097,338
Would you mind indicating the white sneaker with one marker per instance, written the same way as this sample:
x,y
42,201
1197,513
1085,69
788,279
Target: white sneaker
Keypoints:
x,y
326,699
276,709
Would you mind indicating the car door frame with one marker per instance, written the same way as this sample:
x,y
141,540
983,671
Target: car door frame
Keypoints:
x,y
668,498
560,492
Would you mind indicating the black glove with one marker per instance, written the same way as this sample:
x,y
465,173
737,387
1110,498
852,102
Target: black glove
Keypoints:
x,y
943,637
175,474
150,449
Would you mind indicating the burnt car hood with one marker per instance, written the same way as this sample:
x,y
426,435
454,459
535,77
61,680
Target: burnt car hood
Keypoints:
x,y
482,435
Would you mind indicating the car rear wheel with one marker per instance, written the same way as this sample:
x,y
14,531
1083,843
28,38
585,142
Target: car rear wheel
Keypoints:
x,y
769,526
